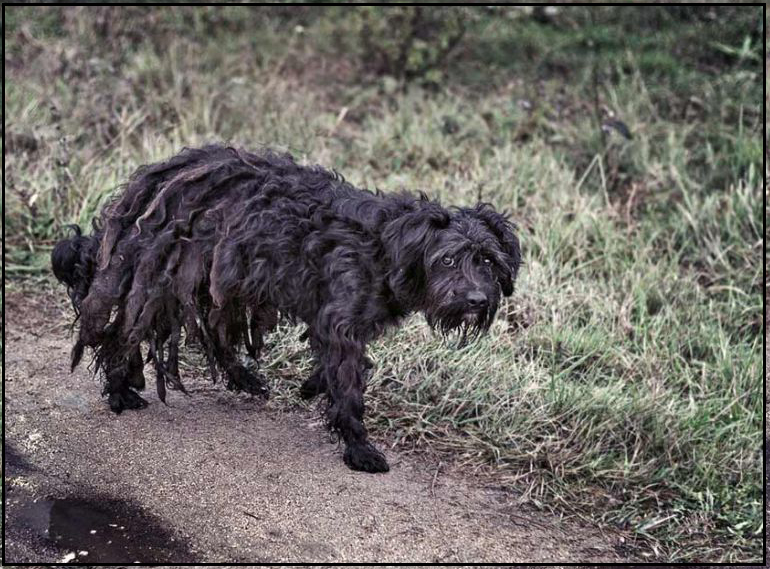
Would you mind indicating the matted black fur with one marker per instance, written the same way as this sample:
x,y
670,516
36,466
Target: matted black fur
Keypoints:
x,y
216,243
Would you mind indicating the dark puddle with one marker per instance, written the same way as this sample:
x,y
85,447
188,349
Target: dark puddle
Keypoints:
x,y
102,531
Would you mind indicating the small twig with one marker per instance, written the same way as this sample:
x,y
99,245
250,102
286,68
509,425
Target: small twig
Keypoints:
x,y
435,476
245,513
630,204
529,520
340,117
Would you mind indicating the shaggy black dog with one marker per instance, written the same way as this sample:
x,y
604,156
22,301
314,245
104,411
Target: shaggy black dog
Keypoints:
x,y
219,242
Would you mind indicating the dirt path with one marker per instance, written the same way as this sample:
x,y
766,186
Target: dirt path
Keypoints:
x,y
221,478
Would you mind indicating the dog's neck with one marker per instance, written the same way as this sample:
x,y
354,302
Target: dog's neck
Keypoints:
x,y
402,300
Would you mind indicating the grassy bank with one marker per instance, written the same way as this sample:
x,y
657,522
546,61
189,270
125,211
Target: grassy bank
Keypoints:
x,y
623,381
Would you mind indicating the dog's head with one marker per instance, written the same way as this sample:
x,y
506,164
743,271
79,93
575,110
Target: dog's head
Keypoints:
x,y
454,265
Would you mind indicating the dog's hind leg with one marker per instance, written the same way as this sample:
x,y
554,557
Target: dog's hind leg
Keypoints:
x,y
135,376
239,377
316,383
120,362
224,337
122,377
261,320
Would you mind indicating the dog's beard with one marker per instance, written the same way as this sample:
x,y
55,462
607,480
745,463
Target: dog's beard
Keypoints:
x,y
458,320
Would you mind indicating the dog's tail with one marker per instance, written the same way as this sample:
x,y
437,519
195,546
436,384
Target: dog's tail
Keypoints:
x,y
72,260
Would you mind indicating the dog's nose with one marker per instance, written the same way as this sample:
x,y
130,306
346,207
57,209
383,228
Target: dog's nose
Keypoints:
x,y
477,299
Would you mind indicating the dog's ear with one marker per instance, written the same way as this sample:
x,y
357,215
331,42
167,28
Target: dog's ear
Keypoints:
x,y
406,239
505,232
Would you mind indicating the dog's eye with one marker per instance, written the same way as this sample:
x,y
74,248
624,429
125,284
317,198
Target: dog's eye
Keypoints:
x,y
447,261
487,261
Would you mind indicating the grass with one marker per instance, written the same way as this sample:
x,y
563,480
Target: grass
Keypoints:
x,y
623,381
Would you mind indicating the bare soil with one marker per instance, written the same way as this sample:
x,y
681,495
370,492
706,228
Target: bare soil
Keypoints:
x,y
218,477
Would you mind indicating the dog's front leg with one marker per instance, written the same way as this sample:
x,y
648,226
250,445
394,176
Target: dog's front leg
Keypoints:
x,y
345,365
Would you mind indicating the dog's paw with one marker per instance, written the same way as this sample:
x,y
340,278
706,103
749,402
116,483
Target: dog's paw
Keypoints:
x,y
241,379
365,457
313,386
136,380
125,399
